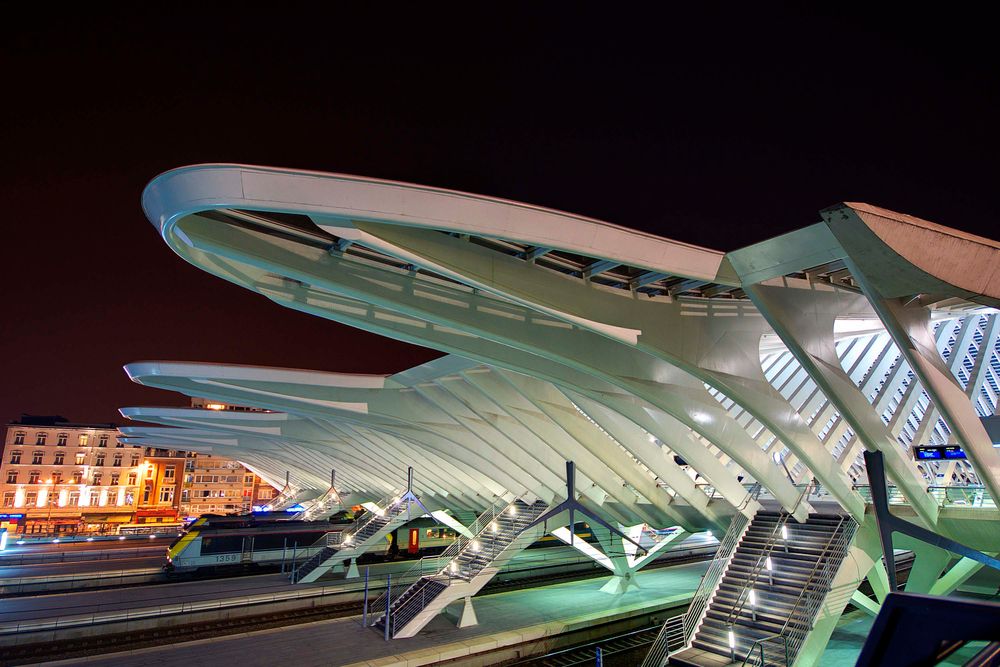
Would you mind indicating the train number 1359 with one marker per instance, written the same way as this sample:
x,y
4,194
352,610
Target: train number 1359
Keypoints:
x,y
227,558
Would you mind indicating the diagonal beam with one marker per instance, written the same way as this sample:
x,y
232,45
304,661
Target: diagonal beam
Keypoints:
x,y
599,267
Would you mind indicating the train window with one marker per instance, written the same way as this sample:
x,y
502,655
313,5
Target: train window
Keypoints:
x,y
221,544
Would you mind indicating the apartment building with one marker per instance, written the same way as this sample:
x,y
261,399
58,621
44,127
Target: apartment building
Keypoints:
x,y
67,477
217,485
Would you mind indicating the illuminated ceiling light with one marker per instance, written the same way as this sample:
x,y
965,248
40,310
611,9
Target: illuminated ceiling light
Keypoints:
x,y
784,532
215,406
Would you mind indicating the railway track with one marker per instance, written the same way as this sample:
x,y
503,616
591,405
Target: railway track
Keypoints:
x,y
613,650
98,644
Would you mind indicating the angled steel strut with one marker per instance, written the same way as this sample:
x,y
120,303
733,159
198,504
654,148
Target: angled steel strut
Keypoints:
x,y
572,505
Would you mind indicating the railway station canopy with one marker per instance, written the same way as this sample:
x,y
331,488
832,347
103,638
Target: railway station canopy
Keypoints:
x,y
687,385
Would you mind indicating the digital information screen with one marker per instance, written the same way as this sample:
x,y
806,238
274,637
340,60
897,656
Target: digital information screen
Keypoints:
x,y
937,452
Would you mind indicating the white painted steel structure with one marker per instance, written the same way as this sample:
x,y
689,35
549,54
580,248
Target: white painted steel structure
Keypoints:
x,y
672,375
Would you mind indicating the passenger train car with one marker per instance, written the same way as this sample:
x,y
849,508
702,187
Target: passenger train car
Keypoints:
x,y
250,541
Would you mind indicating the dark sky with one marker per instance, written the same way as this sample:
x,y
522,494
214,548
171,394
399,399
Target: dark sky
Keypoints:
x,y
719,129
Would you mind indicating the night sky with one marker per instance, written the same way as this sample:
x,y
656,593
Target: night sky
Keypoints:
x,y
719,129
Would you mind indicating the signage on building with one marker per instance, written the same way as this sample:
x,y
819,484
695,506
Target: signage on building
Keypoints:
x,y
937,452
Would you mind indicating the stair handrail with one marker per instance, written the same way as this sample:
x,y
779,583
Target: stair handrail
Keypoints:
x,y
420,568
759,644
835,549
385,505
752,493
482,524
671,635
410,608
769,545
660,649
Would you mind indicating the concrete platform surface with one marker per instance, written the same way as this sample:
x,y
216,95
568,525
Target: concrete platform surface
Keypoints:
x,y
505,619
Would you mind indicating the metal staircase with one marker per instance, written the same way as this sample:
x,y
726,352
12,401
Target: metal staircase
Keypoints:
x,y
460,571
770,592
320,508
358,538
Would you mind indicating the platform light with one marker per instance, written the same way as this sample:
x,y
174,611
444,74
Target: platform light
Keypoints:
x,y
122,537
475,545
732,640
784,532
152,537
513,510
752,598
90,539
55,541
20,543
767,564
493,526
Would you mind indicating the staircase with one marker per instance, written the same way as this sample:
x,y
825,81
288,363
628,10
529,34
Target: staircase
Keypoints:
x,y
771,591
355,540
320,508
461,570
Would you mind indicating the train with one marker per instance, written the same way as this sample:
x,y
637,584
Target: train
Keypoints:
x,y
213,543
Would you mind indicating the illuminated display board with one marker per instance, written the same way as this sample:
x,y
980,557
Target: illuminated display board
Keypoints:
x,y
937,452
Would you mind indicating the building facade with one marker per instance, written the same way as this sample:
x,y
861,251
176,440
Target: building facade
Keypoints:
x,y
60,477
67,477
218,485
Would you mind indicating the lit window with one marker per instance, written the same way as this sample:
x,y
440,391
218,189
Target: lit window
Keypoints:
x,y
81,458
19,438
40,438
36,458
15,457
12,477
84,439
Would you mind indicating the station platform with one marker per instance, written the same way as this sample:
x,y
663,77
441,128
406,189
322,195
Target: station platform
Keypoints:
x,y
509,620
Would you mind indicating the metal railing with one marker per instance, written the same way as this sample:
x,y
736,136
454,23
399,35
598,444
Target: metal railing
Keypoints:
x,y
945,496
761,660
660,649
670,638
385,506
824,570
750,582
434,564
